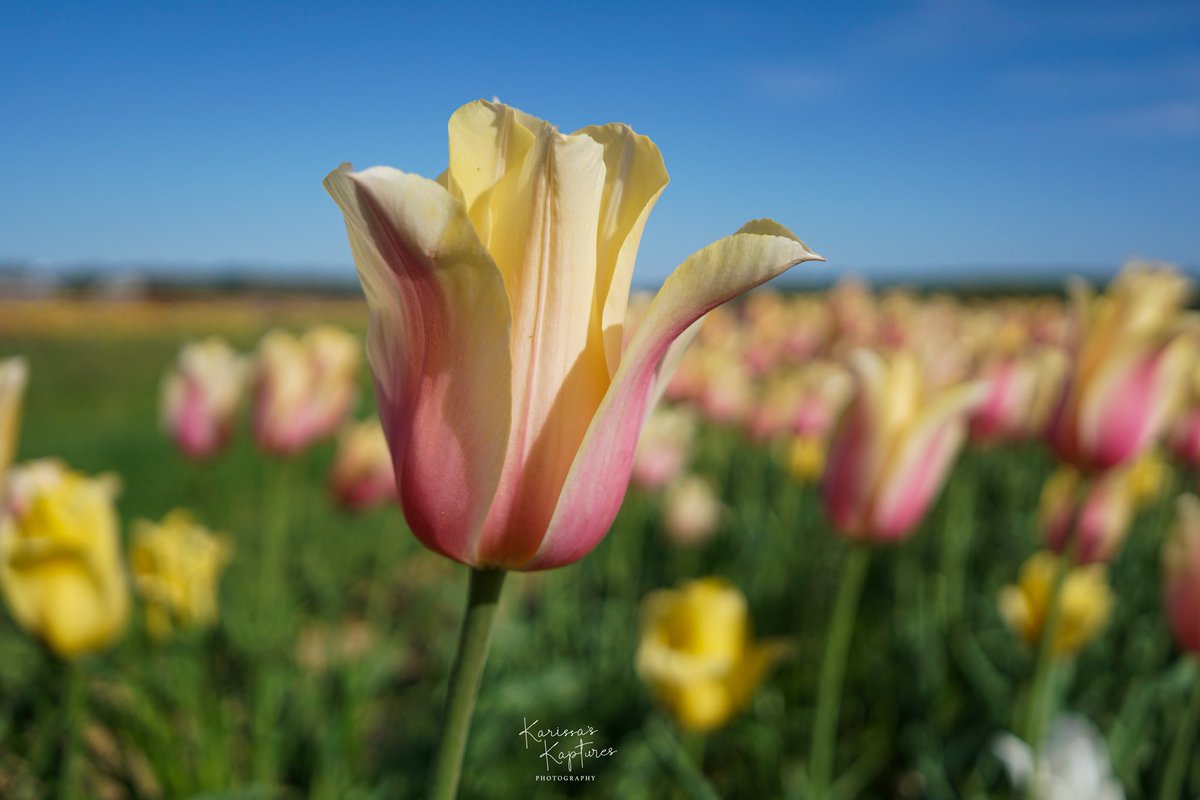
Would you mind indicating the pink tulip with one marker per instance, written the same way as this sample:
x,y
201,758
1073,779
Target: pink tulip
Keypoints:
x,y
498,296
892,447
1181,569
200,398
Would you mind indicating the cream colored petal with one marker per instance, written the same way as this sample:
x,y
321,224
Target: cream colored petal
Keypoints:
x,y
634,178
600,472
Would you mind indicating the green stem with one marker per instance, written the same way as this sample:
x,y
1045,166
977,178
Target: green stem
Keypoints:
x,y
482,599
75,689
685,756
1177,764
833,668
1039,701
269,689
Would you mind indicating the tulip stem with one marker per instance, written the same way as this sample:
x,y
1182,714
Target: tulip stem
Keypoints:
x,y
833,668
75,689
1177,764
483,596
1038,703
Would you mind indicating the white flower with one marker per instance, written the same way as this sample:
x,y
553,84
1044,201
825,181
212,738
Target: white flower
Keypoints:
x,y
1072,764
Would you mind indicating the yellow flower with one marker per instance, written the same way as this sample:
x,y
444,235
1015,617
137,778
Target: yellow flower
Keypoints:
x,y
1086,603
60,564
176,567
697,655
13,373
806,458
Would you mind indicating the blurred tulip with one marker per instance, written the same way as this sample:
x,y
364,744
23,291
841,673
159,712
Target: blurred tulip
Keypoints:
x,y
13,375
362,475
1130,367
1181,572
60,564
304,387
697,654
176,567
892,447
1183,434
1088,517
664,447
805,458
691,510
498,297
200,397
1072,764
825,389
1086,603
1022,390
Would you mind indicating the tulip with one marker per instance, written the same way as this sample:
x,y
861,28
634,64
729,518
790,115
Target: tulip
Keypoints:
x,y
1085,597
1129,370
304,387
1183,435
892,447
664,447
13,375
498,296
1072,764
697,654
1181,571
1088,519
691,511
60,564
362,477
200,398
1021,393
176,566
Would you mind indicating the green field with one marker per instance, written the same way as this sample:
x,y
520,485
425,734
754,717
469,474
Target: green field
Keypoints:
x,y
332,686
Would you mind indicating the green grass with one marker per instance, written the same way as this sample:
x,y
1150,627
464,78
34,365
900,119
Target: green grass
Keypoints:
x,y
933,673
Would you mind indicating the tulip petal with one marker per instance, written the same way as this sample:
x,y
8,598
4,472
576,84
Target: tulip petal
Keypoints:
x,y
914,475
596,483
545,219
1130,399
634,178
438,345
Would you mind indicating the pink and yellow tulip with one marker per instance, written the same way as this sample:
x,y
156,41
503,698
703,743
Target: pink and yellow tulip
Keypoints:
x,y
892,447
1088,518
361,477
498,297
303,387
1129,369
200,397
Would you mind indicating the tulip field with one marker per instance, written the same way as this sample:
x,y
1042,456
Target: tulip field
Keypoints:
x,y
876,544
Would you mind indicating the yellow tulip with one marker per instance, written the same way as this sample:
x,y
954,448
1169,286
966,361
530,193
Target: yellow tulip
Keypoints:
x,y
1085,597
60,564
176,566
697,655
13,374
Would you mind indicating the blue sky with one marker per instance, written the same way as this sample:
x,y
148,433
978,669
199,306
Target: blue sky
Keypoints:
x,y
891,136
